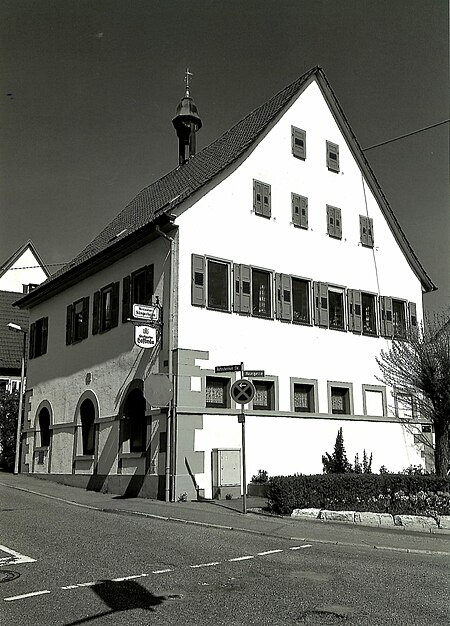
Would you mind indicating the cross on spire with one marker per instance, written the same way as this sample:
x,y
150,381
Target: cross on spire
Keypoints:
x,y
188,75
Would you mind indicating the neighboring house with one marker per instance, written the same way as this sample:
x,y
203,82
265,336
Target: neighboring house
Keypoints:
x,y
21,273
274,246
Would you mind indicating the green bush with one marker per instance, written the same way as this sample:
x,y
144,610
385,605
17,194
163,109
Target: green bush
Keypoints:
x,y
379,493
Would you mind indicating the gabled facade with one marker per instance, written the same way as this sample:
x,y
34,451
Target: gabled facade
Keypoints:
x,y
23,271
274,247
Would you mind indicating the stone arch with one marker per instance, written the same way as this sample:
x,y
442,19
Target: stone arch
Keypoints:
x,y
86,416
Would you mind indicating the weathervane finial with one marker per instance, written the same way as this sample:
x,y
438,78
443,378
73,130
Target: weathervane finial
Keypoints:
x,y
187,80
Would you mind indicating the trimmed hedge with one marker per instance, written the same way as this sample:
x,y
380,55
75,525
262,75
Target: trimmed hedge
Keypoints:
x,y
379,493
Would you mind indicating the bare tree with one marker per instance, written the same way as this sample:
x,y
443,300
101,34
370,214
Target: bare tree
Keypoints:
x,y
419,369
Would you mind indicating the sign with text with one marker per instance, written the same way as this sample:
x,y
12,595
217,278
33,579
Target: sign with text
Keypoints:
x,y
227,368
254,373
149,313
145,336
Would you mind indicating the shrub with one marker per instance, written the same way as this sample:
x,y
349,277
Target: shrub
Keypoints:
x,y
260,478
337,463
379,493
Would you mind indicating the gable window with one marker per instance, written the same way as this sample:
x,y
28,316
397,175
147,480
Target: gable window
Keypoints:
x,y
38,338
340,401
261,198
264,399
334,222
137,289
77,321
106,308
298,141
299,210
332,156
217,392
366,231
29,287
261,295
303,398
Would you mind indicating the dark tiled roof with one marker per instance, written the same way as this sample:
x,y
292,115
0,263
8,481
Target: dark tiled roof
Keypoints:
x,y
181,182
164,194
11,343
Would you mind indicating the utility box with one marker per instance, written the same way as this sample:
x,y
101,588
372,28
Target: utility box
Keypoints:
x,y
226,472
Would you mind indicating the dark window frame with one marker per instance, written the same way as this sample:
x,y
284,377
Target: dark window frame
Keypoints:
x,y
337,292
370,332
38,338
310,389
399,323
226,265
307,283
268,298
225,383
269,385
345,391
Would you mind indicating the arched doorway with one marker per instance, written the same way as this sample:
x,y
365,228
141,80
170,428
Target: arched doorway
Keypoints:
x,y
87,418
44,427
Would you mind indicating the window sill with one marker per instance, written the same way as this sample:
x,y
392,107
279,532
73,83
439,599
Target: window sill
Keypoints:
x,y
41,448
84,457
367,334
131,455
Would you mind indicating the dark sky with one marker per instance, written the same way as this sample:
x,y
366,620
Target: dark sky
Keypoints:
x,y
89,89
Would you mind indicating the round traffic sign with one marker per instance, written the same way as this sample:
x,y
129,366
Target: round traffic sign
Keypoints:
x,y
242,391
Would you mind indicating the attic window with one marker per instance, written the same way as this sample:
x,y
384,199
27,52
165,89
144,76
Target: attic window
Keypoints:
x,y
298,139
332,156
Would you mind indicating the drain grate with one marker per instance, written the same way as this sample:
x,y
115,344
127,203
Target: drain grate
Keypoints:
x,y
6,576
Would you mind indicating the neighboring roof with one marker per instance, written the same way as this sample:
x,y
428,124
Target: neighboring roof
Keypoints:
x,y
11,343
164,194
6,265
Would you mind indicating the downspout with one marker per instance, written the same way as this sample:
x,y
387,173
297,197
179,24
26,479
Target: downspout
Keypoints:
x,y
170,406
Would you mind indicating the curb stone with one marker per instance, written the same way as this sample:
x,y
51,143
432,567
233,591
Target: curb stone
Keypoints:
x,y
306,513
365,518
414,521
444,522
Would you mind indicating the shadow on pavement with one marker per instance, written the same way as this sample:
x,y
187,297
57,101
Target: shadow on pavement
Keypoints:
x,y
121,596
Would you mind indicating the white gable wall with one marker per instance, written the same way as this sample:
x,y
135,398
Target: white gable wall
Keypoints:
x,y
24,271
222,224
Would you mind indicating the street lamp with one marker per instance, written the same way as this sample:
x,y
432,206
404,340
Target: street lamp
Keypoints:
x,y
18,329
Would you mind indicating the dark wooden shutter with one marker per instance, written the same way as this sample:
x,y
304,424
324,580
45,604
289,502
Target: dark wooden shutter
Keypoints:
x,y
320,304
149,272
198,292
330,220
267,201
246,288
96,313
412,309
298,142
31,349
257,197
85,324
44,335
283,291
295,201
115,304
387,326
370,238
337,223
332,156
126,299
354,310
69,325
237,287
363,230
303,212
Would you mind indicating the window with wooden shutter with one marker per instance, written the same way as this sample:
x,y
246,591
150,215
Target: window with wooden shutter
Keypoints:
x,y
198,291
386,320
412,310
354,310
115,303
44,335
299,210
298,141
85,321
261,198
69,327
366,230
336,317
300,301
261,293
242,288
283,296
218,285
369,316
334,222
38,338
31,345
142,285
96,313
332,156
320,304
399,318
126,299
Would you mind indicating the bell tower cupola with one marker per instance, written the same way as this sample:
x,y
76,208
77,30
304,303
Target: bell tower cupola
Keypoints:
x,y
187,122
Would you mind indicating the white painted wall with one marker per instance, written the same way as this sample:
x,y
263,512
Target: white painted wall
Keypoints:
x,y
25,270
222,224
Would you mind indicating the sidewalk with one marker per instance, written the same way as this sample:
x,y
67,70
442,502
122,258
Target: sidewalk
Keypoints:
x,y
227,514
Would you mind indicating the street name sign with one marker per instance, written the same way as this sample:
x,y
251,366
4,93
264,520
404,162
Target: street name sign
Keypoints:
x,y
147,312
254,373
242,391
145,336
219,369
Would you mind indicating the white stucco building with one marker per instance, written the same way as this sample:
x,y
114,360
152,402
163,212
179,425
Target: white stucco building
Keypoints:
x,y
275,247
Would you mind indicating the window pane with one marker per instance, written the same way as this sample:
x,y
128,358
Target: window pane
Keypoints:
x,y
106,310
336,309
303,398
139,296
398,318
300,301
216,392
77,325
340,400
263,398
368,314
218,285
261,293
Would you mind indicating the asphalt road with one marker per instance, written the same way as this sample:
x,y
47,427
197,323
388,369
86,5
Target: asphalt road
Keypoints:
x,y
93,567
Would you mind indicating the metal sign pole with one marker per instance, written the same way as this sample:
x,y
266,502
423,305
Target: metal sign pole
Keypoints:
x,y
244,472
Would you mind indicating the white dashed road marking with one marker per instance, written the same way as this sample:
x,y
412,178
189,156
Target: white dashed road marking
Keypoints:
x,y
158,571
